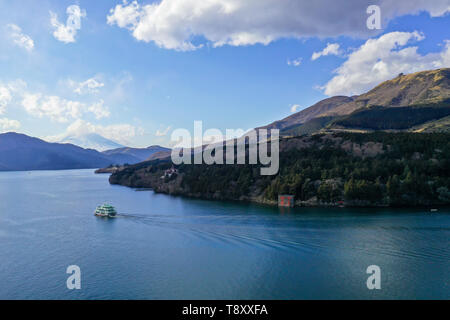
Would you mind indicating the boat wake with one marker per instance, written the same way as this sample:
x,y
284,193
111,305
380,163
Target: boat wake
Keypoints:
x,y
306,234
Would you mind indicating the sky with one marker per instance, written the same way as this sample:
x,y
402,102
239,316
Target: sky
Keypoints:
x,y
135,71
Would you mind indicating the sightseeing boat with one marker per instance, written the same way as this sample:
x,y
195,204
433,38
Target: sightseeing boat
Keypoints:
x,y
106,210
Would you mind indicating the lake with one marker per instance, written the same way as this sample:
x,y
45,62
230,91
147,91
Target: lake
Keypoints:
x,y
163,247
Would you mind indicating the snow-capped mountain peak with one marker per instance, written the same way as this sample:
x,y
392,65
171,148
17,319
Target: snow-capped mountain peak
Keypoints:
x,y
91,141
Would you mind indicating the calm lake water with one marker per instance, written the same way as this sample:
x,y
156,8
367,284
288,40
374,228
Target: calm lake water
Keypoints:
x,y
164,247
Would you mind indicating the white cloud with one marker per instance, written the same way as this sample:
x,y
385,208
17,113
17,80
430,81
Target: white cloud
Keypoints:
x,y
8,92
295,108
99,110
174,24
330,49
91,85
445,55
59,109
126,15
296,62
19,38
54,107
66,32
5,98
121,133
8,124
163,133
381,59
17,86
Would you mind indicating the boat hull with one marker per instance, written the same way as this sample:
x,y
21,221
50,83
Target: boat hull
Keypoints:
x,y
104,215
101,215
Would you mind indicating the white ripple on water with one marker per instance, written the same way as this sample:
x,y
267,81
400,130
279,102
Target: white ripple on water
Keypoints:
x,y
272,233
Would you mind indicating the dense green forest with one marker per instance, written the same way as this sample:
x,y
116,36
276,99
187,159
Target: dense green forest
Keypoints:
x,y
412,169
398,118
309,127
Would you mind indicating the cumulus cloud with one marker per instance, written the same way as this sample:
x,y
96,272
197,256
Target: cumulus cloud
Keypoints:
x,y
445,55
19,38
296,62
99,110
126,15
163,133
66,32
91,85
54,107
189,24
295,108
330,49
59,109
17,86
5,98
381,59
8,92
8,124
121,133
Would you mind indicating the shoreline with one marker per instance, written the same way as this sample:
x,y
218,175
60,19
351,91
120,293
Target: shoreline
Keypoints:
x,y
298,204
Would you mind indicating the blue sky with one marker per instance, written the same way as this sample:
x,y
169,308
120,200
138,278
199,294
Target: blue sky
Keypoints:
x,y
156,66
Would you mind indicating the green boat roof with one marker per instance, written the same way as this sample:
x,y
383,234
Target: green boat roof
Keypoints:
x,y
106,208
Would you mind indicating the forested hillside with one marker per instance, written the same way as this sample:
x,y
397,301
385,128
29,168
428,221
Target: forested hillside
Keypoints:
x,y
376,169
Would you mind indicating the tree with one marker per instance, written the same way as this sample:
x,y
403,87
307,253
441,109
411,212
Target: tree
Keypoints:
x,y
444,194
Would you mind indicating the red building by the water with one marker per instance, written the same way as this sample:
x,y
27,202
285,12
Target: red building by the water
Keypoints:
x,y
286,200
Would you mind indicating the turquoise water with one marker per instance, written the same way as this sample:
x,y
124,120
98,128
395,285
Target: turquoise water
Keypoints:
x,y
164,247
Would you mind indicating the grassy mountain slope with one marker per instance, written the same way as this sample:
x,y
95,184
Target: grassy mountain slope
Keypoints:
x,y
425,87
399,104
309,113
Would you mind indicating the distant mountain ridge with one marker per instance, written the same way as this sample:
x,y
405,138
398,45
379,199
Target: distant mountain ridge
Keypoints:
x,y
134,155
19,152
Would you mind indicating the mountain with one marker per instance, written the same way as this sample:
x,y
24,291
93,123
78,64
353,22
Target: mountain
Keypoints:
x,y
160,155
20,152
134,155
117,153
420,88
310,113
398,104
91,141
